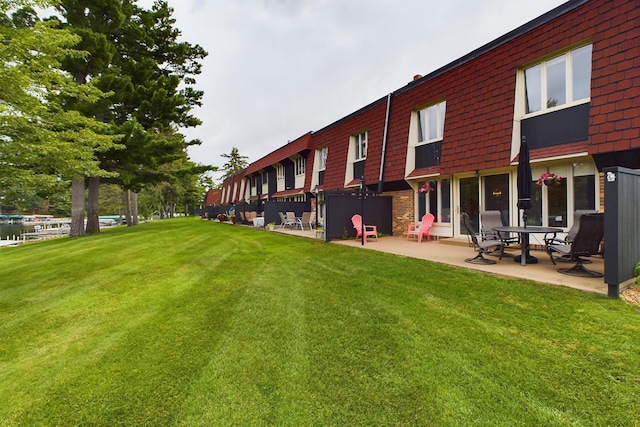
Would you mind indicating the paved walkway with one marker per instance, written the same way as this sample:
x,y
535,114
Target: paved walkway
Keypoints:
x,y
455,251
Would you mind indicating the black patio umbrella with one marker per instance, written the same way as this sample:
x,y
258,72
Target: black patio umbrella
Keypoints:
x,y
524,179
524,198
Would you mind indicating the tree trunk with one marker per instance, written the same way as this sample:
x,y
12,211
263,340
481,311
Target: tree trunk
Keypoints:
x,y
127,207
134,208
77,208
93,207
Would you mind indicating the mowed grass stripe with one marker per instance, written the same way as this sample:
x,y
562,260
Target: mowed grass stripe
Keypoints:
x,y
190,322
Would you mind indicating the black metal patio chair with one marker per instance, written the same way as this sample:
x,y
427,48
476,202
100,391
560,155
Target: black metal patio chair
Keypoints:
x,y
571,234
585,243
492,219
481,247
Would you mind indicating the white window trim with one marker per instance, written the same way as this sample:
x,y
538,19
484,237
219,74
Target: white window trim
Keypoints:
x,y
351,159
565,170
357,145
543,83
441,229
300,166
441,114
322,158
280,177
412,142
520,104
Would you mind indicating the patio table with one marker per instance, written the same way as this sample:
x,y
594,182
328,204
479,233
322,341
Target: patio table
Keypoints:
x,y
258,221
525,258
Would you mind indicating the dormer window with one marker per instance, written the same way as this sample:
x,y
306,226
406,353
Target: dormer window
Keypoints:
x,y
431,123
300,165
561,81
280,173
323,158
360,145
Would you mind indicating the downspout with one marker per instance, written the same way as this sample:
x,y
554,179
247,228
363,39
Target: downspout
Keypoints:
x,y
384,143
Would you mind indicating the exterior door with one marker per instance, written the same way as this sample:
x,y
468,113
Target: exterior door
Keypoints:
x,y
469,202
496,195
437,202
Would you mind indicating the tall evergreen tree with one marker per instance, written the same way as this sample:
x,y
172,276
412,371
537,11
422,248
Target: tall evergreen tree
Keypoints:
x,y
161,70
235,163
42,144
136,56
96,22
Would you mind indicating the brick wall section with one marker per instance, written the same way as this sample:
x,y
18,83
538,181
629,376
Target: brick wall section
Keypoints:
x,y
601,184
402,211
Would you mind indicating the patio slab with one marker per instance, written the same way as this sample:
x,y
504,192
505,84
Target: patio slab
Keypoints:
x,y
455,251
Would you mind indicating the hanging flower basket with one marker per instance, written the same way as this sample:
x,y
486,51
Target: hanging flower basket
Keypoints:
x,y
425,188
548,179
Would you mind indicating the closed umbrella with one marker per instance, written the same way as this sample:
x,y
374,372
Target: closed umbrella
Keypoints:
x,y
524,179
524,196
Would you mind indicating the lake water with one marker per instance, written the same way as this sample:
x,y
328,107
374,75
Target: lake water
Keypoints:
x,y
11,230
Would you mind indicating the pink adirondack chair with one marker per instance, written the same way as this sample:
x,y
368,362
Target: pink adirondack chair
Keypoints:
x,y
369,230
423,229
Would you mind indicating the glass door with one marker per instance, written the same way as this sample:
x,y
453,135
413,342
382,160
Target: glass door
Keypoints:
x,y
469,202
437,202
496,195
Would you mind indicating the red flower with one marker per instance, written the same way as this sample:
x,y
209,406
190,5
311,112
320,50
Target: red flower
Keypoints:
x,y
425,188
549,178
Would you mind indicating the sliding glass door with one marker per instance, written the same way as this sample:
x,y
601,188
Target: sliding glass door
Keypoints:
x,y
469,202
496,195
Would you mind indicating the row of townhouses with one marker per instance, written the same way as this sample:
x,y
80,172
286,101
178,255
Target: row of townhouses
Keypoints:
x,y
568,82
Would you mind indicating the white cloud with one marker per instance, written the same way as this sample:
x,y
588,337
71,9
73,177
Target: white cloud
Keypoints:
x,y
280,68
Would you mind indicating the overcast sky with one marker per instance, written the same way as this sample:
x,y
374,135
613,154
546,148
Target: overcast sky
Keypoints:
x,y
278,69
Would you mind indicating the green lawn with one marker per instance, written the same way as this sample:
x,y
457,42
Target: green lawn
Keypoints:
x,y
190,322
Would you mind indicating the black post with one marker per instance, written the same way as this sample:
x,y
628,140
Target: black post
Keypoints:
x,y
317,206
362,189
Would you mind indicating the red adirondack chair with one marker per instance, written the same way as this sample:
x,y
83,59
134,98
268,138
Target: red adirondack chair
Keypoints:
x,y
423,229
369,230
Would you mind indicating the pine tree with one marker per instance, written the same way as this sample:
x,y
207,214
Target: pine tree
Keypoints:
x,y
40,142
235,163
135,56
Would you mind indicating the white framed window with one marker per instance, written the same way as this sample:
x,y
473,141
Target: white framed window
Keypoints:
x,y
323,158
280,173
558,82
300,165
431,122
360,145
553,205
437,200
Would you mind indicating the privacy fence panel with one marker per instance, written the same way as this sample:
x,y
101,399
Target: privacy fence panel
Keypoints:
x,y
621,226
342,205
271,209
211,212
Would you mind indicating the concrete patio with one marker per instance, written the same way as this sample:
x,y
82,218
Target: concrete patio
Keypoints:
x,y
454,251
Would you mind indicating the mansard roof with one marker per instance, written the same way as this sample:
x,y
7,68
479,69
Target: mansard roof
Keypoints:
x,y
297,146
